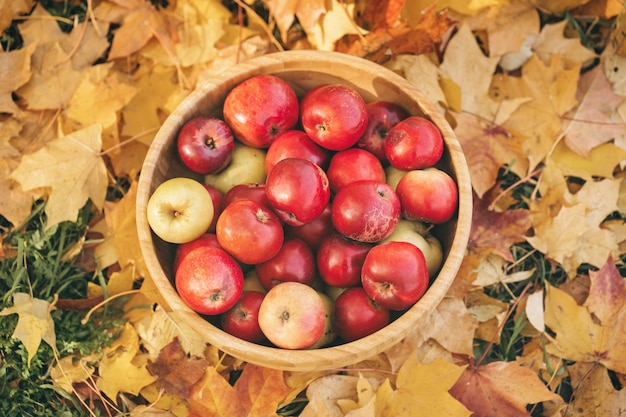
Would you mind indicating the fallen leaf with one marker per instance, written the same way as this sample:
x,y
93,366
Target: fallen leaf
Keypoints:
x,y
559,6
122,226
53,79
383,43
11,8
500,389
591,123
373,15
552,42
509,28
495,232
423,73
142,113
487,148
123,358
600,162
579,337
142,22
365,394
99,98
422,390
538,122
15,71
467,66
158,329
336,22
72,168
594,392
493,269
34,322
607,293
324,392
489,312
176,372
567,226
72,369
284,14
258,391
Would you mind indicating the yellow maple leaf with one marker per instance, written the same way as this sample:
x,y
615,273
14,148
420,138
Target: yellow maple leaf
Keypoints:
x,y
538,122
579,336
71,168
72,369
467,66
122,226
34,324
12,8
99,97
15,71
284,14
53,81
123,366
551,42
336,22
422,390
600,162
568,226
141,114
595,393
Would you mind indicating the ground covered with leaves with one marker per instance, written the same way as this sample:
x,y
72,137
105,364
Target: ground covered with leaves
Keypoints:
x,y
534,324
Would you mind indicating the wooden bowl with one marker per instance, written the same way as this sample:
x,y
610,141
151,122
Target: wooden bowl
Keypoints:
x,y
303,70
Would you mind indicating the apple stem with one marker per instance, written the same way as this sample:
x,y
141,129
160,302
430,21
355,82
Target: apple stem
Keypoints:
x,y
284,316
210,142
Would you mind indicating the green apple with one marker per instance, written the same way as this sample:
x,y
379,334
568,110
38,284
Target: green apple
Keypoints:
x,y
246,167
393,176
329,334
180,210
416,232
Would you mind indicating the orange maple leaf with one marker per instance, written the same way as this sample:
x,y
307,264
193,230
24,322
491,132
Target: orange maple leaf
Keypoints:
x,y
257,392
381,44
500,389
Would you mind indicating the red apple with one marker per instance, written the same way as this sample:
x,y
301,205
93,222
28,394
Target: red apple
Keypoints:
x,y
249,231
248,191
297,190
353,165
314,231
205,144
294,261
339,260
429,195
295,144
242,320
395,275
382,116
414,143
207,239
292,315
356,315
216,198
365,210
209,280
333,115
261,108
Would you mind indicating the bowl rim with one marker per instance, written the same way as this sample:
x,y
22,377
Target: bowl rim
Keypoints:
x,y
327,357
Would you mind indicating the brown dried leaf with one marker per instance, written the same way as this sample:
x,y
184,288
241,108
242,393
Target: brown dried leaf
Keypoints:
x,y
495,232
176,372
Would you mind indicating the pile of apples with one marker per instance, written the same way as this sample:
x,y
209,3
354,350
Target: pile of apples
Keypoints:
x,y
312,224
